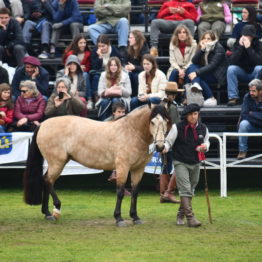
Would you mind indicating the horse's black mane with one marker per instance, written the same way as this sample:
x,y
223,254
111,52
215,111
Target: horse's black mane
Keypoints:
x,y
161,110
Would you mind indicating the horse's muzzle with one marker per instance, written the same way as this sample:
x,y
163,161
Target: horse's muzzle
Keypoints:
x,y
160,148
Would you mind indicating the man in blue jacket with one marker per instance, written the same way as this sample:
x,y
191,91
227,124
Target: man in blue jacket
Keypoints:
x,y
251,115
65,13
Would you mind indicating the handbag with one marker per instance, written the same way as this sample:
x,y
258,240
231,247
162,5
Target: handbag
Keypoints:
x,y
113,92
193,95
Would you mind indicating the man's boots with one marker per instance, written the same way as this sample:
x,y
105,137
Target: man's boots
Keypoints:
x,y
180,216
164,180
168,196
191,220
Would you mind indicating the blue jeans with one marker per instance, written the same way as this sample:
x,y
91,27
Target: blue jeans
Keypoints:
x,y
235,74
105,107
88,85
134,82
121,29
44,30
135,102
94,83
246,127
203,81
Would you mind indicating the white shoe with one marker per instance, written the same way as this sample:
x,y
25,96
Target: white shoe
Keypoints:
x,y
90,104
196,87
210,102
43,55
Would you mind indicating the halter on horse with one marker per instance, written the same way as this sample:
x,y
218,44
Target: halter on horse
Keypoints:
x,y
121,145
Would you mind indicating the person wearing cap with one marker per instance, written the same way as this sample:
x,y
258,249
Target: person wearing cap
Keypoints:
x,y
245,62
31,70
167,183
187,139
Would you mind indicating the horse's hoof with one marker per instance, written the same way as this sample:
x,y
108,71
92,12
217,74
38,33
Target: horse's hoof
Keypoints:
x,y
50,218
138,222
121,223
56,213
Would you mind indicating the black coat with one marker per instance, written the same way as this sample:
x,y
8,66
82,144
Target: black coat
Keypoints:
x,y
217,63
247,58
4,77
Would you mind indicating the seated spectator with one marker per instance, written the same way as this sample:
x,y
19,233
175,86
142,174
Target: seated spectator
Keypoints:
x,y
80,48
62,101
4,76
209,66
99,59
248,18
137,48
6,107
251,115
245,62
66,13
29,107
38,17
171,14
11,38
181,50
213,15
151,83
114,85
112,18
31,70
16,8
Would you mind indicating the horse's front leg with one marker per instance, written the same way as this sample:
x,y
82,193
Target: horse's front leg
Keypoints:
x,y
135,180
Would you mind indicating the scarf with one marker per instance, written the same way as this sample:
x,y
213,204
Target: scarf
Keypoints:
x,y
182,47
193,129
209,47
106,56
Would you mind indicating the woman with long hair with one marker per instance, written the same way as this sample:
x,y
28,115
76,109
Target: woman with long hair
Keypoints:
x,y
6,107
79,48
137,48
181,50
249,17
151,83
209,66
114,85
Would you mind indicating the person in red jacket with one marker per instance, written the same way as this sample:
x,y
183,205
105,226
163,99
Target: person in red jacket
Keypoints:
x,y
29,107
169,17
6,107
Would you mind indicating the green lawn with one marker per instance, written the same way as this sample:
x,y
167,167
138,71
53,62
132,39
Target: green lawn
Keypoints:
x,y
86,231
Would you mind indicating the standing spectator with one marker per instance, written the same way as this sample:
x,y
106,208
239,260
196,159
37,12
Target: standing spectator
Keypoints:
x,y
99,59
183,138
249,15
80,48
181,50
114,85
213,15
37,15
11,38
16,8
6,107
62,101
171,14
66,13
246,62
29,107
31,70
209,66
151,83
137,48
251,115
112,18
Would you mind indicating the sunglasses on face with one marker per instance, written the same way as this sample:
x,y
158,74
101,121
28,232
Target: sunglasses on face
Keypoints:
x,y
23,91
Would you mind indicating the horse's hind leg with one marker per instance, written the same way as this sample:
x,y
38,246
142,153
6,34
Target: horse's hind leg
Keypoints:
x,y
136,176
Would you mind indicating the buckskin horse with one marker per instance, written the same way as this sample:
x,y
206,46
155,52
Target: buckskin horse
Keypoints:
x,y
122,145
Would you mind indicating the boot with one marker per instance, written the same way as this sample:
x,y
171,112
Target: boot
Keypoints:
x,y
180,216
164,180
191,220
169,195
154,51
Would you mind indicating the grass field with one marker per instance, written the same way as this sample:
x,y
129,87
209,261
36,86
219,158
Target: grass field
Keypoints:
x,y
86,231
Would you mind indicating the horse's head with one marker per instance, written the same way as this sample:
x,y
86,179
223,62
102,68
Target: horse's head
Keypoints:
x,y
159,124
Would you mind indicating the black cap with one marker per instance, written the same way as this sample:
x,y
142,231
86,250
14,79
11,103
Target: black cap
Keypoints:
x,y
249,30
190,109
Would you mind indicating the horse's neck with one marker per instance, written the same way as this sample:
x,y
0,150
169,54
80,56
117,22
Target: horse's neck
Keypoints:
x,y
139,121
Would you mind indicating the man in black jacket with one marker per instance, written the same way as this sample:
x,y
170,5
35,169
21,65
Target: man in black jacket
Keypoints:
x,y
11,38
246,62
188,139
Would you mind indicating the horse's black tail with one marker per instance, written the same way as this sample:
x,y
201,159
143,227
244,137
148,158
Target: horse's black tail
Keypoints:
x,y
33,175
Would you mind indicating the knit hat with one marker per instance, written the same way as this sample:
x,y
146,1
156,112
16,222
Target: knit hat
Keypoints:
x,y
171,87
190,109
31,60
249,30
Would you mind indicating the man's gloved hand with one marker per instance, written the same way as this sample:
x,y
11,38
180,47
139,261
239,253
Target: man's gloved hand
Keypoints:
x,y
57,25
